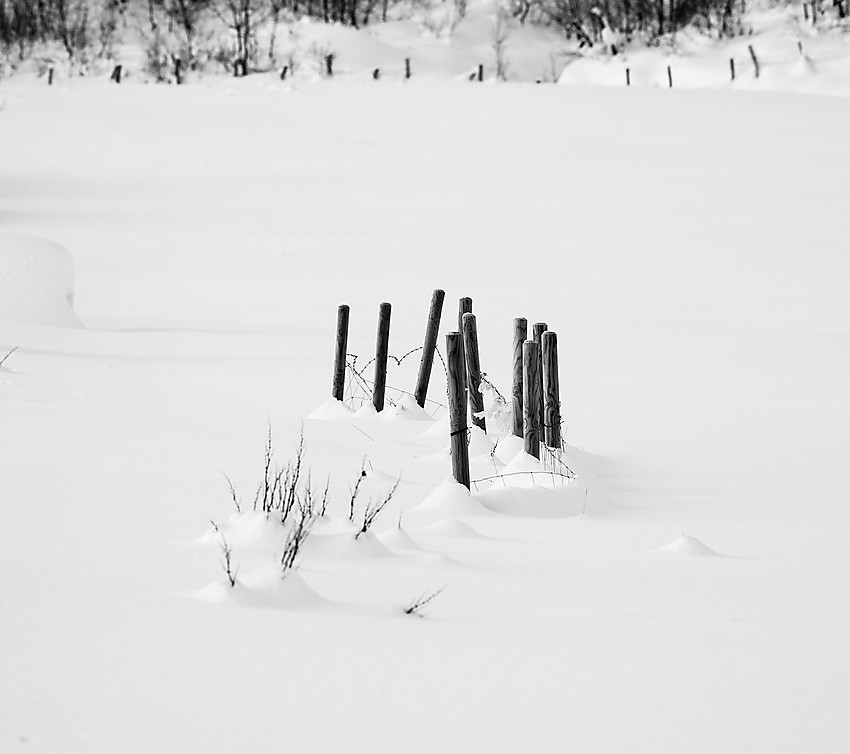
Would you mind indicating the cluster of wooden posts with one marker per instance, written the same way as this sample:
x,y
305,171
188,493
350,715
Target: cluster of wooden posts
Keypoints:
x,y
535,392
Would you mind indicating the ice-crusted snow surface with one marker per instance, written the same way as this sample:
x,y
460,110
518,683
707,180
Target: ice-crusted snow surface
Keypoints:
x,y
688,247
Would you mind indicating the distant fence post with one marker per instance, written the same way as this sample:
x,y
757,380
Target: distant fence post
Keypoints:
x,y
382,349
50,76
520,336
732,67
407,68
283,72
755,59
457,408
480,72
341,351
431,331
116,74
329,64
376,74
670,76
538,329
531,369
628,77
178,71
552,390
473,369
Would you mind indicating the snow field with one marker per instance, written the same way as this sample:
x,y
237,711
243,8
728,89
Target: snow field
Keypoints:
x,y
693,266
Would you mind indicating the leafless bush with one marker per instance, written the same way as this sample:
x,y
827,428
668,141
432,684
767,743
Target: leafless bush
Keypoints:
x,y
299,531
417,605
374,509
500,31
227,556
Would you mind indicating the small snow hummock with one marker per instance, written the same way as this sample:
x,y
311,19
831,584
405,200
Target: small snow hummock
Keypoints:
x,y
687,546
36,282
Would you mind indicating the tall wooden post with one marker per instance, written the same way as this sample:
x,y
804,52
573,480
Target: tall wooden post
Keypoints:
x,y
520,335
431,331
457,408
50,76
670,76
628,77
341,351
473,369
552,390
531,373
755,59
407,68
480,72
538,329
382,349
464,305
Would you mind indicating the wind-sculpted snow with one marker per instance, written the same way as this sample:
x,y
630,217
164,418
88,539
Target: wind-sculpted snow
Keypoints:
x,y
36,282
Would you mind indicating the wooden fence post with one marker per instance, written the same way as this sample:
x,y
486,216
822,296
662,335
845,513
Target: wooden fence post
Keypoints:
x,y
341,351
473,369
628,77
520,335
178,71
431,331
480,72
329,64
382,349
50,76
407,68
376,74
464,306
283,72
755,59
116,74
457,408
538,329
670,76
552,390
530,394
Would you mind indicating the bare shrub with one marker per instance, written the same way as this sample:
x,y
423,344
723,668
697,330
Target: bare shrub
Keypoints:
x,y
226,555
416,606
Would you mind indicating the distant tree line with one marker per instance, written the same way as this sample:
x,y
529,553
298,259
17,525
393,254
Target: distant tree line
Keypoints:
x,y
187,33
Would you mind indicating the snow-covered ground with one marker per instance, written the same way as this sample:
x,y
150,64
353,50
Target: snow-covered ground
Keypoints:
x,y
687,592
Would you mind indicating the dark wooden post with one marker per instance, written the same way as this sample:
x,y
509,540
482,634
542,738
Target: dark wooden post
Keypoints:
x,y
431,331
382,349
341,351
755,59
552,390
480,72
407,68
473,369
329,65
116,74
376,74
520,335
732,67
50,76
670,76
628,77
531,370
538,329
457,408
178,71
283,72
464,306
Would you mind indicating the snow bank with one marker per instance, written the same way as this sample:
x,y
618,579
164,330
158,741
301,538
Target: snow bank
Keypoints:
x,y
36,282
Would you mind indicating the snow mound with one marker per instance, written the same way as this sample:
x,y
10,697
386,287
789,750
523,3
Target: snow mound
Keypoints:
x,y
687,546
536,502
407,409
450,498
265,588
36,282
450,528
399,541
344,546
331,409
